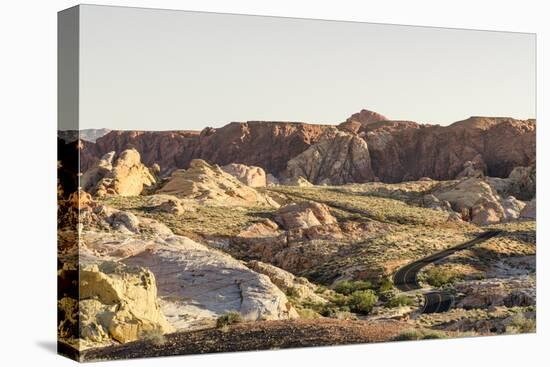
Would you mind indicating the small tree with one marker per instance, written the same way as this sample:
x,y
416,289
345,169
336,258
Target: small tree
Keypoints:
x,y
385,285
439,277
363,301
347,287
400,300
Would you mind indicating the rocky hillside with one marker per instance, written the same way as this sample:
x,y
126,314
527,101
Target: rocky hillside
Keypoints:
x,y
186,259
402,151
373,148
258,143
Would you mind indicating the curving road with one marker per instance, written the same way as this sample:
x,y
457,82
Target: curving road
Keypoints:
x,y
405,279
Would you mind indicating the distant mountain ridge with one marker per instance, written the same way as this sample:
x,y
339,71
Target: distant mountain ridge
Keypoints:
x,y
85,134
397,150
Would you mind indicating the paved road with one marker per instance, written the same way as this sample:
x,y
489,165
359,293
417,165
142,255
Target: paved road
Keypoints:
x,y
405,279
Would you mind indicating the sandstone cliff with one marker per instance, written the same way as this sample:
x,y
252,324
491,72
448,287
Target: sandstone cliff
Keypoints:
x,y
404,152
257,143
337,158
397,150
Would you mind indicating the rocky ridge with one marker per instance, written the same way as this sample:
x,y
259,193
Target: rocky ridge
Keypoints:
x,y
397,150
211,184
337,158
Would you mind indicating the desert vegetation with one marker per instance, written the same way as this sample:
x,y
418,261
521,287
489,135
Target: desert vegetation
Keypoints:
x,y
297,249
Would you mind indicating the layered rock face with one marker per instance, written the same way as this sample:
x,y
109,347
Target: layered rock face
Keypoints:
x,y
122,175
397,150
337,158
265,144
162,147
359,121
210,183
404,152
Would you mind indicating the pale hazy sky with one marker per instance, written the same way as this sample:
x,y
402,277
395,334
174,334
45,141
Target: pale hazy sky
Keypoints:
x,y
149,69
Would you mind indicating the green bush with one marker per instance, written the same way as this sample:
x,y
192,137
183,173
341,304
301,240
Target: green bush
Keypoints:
x,y
363,301
386,285
438,277
408,335
400,300
347,287
307,313
229,318
329,311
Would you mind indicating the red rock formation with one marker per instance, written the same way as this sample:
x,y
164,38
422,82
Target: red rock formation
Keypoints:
x,y
409,151
360,120
162,147
265,144
399,150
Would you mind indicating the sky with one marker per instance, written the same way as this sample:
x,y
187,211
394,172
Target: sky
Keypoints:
x,y
145,69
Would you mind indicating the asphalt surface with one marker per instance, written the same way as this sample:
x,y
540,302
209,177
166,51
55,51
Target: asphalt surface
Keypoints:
x,y
406,278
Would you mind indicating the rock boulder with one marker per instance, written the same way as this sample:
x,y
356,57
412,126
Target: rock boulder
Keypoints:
x,y
118,302
249,175
122,175
304,215
209,183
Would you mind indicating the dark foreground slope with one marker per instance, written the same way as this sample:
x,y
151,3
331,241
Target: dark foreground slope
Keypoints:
x,y
256,336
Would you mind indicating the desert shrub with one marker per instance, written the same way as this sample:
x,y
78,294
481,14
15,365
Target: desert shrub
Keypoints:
x,y
345,315
229,318
438,277
338,299
307,313
329,311
362,301
385,285
408,335
520,324
400,300
419,335
337,305
433,335
347,287
154,336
